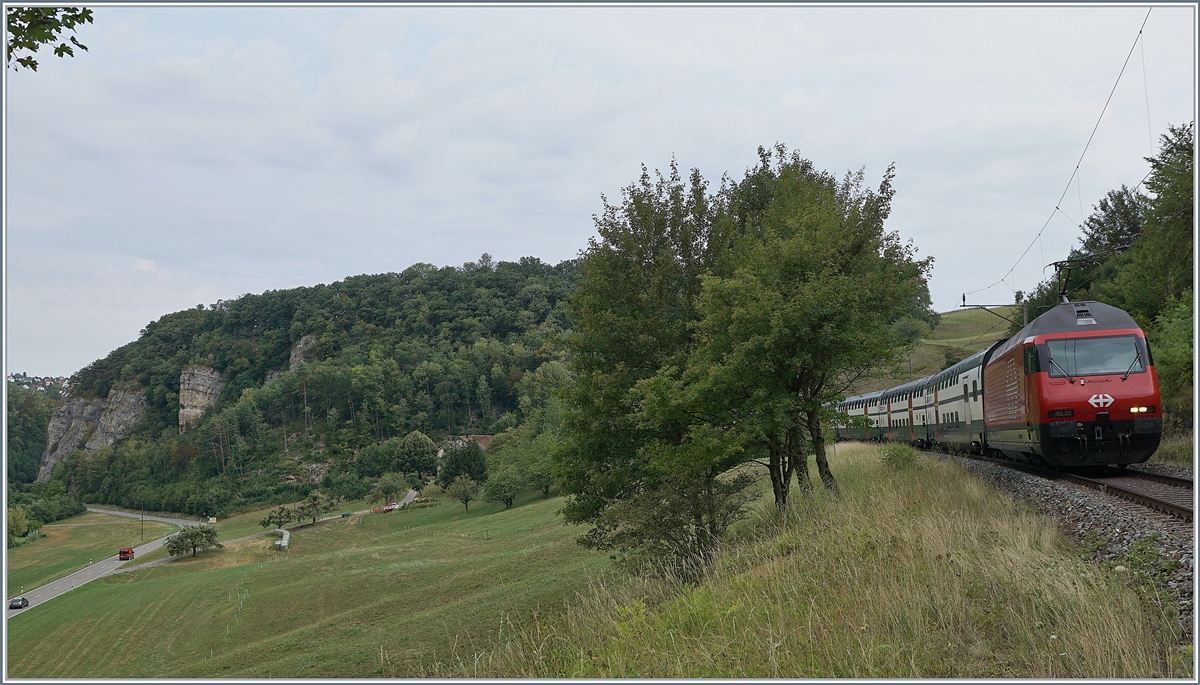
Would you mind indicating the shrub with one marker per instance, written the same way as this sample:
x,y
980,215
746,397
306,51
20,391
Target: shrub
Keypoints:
x,y
899,457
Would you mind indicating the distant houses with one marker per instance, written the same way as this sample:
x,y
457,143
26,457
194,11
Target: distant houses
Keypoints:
x,y
40,383
459,440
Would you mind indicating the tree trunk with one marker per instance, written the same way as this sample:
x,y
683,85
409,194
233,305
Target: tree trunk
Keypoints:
x,y
787,459
780,481
818,438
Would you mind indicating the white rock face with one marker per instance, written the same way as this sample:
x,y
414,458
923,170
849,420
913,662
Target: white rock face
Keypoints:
x,y
109,420
199,388
122,416
300,352
68,424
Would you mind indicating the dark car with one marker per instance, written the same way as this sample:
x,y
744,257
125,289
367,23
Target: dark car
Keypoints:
x,y
18,603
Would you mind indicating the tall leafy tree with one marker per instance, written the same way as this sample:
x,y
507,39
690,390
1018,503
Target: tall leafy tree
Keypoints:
x,y
462,458
632,313
1159,266
29,28
802,305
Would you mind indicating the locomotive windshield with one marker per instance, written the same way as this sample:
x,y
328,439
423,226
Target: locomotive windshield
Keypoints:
x,y
1095,356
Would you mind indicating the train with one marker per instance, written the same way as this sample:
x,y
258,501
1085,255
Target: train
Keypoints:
x,y
1075,387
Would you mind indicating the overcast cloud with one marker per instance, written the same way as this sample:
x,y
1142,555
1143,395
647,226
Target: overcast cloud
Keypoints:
x,y
197,154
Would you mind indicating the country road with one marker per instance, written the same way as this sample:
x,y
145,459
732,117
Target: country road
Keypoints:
x,y
112,564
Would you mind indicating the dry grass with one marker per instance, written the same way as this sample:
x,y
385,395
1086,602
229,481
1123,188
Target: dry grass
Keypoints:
x,y
925,572
1177,449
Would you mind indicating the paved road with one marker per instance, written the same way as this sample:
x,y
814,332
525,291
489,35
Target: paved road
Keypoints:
x,y
98,569
112,564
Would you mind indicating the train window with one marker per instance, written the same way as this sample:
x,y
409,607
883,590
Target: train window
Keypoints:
x,y
1095,356
975,391
965,392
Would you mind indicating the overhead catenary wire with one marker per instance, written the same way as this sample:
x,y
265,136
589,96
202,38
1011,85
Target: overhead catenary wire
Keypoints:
x,y
1075,172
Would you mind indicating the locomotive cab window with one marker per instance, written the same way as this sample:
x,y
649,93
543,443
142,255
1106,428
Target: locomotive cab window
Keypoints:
x,y
1095,356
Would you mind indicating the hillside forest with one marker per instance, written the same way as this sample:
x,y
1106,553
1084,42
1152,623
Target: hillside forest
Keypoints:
x,y
475,349
690,351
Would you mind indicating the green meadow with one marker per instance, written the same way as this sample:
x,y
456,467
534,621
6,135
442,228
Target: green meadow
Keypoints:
x,y
67,545
374,595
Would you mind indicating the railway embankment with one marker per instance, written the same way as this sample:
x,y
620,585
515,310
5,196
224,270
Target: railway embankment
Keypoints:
x,y
1154,548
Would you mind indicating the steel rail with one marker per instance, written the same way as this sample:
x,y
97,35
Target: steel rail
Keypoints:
x,y
1157,477
1146,500
1107,488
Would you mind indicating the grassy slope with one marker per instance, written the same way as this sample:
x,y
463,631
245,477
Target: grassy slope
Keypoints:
x,y
965,331
246,523
68,544
922,573
384,594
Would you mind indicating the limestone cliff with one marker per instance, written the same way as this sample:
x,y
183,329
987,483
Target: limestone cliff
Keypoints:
x,y
68,425
101,422
121,417
199,388
300,352
298,357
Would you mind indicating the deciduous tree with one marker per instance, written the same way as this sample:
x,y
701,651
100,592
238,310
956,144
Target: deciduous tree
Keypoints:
x,y
462,458
194,538
464,489
29,28
278,517
503,485
316,504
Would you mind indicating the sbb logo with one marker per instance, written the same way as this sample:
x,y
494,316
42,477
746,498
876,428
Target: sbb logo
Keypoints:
x,y
1100,400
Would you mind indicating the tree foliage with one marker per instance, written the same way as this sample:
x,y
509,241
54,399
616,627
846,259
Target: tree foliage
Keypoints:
x,y
315,505
464,489
278,517
193,538
709,332
395,358
29,28
462,458
503,485
28,417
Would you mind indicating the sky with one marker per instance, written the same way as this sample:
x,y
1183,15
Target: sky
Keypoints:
x,y
195,154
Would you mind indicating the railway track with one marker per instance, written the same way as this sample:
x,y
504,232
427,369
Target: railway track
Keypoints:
x,y
1166,494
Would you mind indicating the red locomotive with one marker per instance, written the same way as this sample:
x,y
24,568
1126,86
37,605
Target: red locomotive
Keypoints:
x,y
1075,387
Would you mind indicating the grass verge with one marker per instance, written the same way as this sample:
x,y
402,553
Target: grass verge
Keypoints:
x,y
1176,449
916,571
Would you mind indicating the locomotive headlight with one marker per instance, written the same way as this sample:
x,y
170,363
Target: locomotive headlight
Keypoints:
x,y
1140,410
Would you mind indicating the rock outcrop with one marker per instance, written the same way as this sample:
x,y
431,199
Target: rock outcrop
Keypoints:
x,y
199,388
68,426
299,356
99,422
122,416
300,352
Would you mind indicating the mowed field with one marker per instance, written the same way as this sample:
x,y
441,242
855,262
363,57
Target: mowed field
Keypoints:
x,y
376,595
244,524
68,544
